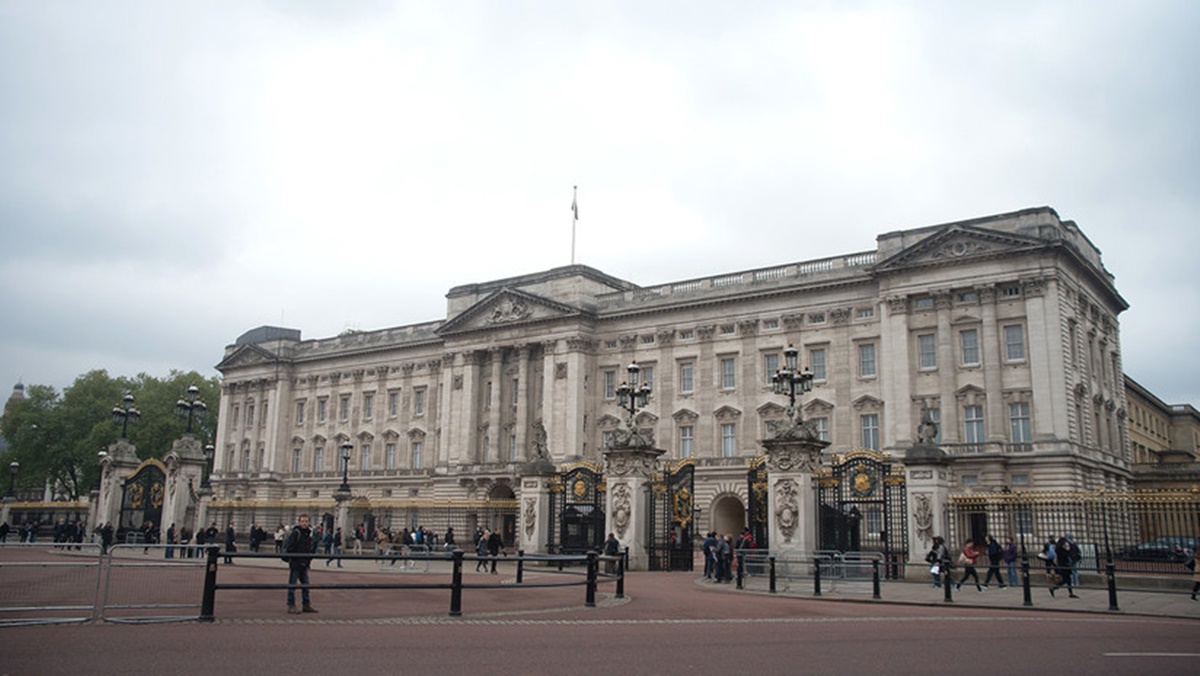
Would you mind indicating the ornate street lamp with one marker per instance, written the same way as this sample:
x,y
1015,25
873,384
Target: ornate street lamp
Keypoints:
x,y
792,380
210,452
191,407
13,468
347,449
633,396
125,416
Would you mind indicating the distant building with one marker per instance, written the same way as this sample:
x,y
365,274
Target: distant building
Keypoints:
x,y
1005,328
1164,440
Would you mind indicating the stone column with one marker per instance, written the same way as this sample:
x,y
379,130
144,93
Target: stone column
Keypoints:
x,y
928,478
630,464
793,459
495,394
185,469
533,521
115,467
521,419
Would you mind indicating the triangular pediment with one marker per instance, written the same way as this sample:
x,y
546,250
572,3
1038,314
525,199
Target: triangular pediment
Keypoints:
x,y
959,242
507,307
248,355
770,409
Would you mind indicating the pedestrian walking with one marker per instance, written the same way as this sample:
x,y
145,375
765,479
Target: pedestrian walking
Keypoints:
x,y
230,546
1065,556
481,551
335,542
967,559
1010,560
494,544
995,554
938,559
299,541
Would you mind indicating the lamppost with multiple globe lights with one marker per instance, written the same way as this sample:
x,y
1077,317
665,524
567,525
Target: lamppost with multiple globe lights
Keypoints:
x,y
632,395
210,451
125,416
191,407
791,379
347,449
13,468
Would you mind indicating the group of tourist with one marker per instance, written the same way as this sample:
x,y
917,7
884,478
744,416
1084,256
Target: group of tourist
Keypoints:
x,y
1061,557
719,552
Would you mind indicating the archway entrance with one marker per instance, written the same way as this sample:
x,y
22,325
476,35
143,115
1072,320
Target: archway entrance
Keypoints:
x,y
728,515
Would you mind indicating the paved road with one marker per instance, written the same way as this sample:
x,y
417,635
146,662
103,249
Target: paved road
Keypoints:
x,y
669,623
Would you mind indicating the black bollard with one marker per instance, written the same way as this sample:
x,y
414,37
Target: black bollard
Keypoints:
x,y
456,584
1025,580
816,577
520,566
592,566
741,559
621,574
209,601
1110,573
771,559
875,578
947,580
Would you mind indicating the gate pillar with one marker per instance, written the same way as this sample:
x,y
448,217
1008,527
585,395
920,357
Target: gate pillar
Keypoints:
x,y
793,459
185,466
533,517
928,475
117,464
630,465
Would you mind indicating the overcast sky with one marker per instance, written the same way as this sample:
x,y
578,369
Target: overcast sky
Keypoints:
x,y
173,174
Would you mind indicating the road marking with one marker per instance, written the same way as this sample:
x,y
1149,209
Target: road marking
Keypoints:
x,y
1152,654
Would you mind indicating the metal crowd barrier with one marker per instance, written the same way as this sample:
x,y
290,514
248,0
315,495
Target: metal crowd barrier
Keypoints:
x,y
47,582
411,558
152,579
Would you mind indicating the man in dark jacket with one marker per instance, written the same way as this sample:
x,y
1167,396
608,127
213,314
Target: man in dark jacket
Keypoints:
x,y
995,554
299,541
494,544
612,547
230,538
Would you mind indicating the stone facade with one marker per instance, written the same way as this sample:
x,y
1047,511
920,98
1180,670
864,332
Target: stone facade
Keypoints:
x,y
1004,327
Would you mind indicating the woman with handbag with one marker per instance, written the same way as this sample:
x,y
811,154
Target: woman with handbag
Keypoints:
x,y
938,558
967,559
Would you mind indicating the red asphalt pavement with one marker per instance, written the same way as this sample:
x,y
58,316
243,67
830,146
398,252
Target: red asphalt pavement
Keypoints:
x,y
669,623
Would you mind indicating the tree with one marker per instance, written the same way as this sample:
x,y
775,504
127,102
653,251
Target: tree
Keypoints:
x,y
58,438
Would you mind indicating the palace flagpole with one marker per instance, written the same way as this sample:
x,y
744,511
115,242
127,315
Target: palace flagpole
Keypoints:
x,y
574,218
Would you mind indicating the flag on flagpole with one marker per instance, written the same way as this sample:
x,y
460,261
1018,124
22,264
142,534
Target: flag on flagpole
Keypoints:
x,y
575,206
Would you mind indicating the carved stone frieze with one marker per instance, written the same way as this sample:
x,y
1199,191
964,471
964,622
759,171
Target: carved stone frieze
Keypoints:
x,y
898,305
706,332
628,342
666,337
839,315
529,515
622,507
792,322
923,517
748,327
787,507
794,459
560,370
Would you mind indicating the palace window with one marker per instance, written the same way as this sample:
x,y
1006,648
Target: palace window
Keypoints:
x,y
686,376
687,441
870,430
728,373
866,360
368,405
969,342
300,412
770,366
1018,419
1014,343
973,424
419,401
927,351
816,357
728,440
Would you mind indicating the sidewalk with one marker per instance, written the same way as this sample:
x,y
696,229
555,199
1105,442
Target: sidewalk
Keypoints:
x,y
1165,602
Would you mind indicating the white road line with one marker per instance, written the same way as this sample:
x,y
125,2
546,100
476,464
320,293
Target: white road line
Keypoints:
x,y
1151,654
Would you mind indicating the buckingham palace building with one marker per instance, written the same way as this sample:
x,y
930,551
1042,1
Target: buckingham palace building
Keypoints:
x,y
1003,330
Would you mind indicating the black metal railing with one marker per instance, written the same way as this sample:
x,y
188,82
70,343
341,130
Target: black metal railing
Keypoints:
x,y
590,578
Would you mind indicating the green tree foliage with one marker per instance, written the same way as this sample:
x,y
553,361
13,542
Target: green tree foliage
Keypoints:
x,y
60,437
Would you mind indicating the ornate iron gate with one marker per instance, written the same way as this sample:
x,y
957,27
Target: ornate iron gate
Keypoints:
x,y
757,513
143,498
577,518
862,504
671,517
